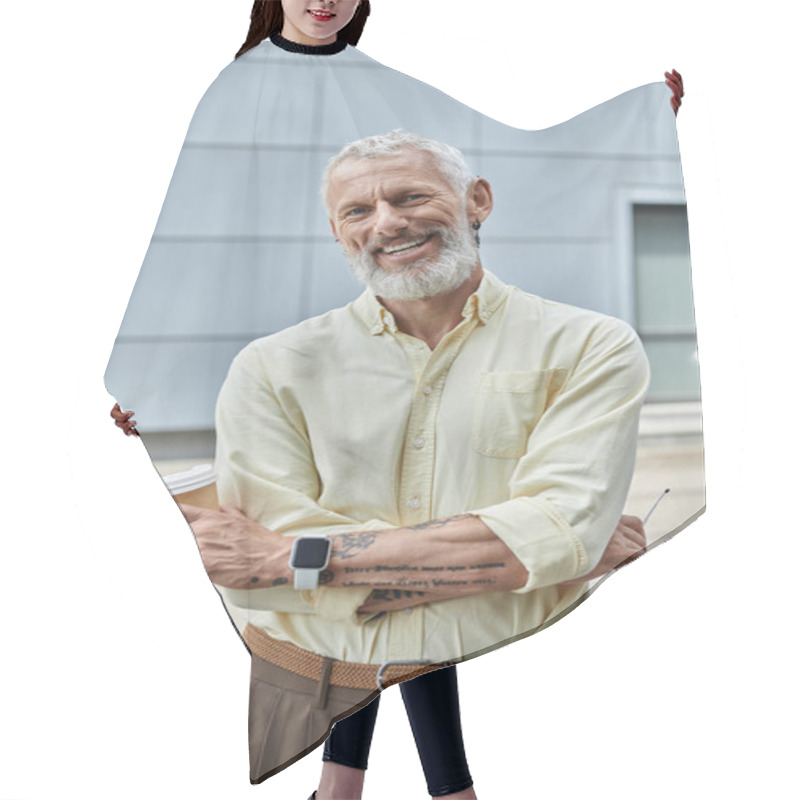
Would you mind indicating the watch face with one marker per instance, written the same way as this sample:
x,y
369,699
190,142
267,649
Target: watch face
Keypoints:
x,y
310,553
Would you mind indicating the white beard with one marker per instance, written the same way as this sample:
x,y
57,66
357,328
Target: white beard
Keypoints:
x,y
445,272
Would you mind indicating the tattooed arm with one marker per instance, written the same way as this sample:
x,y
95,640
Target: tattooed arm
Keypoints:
x,y
441,559
437,560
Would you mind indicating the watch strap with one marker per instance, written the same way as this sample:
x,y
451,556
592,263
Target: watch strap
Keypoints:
x,y
306,578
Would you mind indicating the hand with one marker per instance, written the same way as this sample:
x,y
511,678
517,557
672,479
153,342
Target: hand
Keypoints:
x,y
237,552
627,542
675,82
124,420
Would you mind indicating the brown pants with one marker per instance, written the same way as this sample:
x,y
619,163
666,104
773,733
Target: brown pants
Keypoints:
x,y
291,715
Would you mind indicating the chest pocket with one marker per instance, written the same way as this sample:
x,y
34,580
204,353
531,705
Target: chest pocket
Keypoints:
x,y
507,407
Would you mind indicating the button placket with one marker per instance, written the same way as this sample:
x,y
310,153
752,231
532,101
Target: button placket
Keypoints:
x,y
430,371
418,462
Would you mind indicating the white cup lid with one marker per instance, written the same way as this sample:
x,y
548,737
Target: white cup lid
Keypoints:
x,y
190,479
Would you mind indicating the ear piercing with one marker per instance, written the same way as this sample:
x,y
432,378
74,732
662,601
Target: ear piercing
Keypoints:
x,y
476,226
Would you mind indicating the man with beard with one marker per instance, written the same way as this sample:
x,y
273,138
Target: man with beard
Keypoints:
x,y
438,467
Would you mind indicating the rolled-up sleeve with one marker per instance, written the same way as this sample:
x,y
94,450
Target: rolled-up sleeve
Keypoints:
x,y
568,490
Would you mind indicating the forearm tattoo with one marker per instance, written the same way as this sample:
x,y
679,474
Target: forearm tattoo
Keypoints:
x,y
390,595
277,582
394,582
349,545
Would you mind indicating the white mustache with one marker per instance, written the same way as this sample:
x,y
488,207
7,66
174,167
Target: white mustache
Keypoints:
x,y
404,246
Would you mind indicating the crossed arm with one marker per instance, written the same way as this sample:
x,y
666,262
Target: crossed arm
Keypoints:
x,y
576,461
455,556
404,567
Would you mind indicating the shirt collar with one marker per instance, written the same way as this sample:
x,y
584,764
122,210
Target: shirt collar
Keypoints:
x,y
482,303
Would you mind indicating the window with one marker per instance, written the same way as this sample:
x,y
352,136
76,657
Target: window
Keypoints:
x,y
663,301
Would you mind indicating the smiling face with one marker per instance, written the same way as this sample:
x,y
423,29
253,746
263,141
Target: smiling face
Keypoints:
x,y
316,22
404,228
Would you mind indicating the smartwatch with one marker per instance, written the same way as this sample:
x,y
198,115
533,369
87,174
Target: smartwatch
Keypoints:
x,y
310,555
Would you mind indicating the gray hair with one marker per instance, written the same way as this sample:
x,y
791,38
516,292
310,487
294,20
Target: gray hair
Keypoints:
x,y
449,161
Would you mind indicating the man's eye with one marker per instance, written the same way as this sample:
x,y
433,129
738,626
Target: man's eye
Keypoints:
x,y
413,198
356,212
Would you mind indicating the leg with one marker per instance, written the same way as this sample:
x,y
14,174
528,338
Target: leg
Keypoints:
x,y
433,711
346,754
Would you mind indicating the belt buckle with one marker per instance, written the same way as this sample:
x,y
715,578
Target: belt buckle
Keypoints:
x,y
387,664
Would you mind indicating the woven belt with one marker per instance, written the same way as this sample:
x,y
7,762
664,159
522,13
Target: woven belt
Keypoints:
x,y
341,673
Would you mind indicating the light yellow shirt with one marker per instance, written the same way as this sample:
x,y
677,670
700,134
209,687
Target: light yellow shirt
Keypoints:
x,y
525,415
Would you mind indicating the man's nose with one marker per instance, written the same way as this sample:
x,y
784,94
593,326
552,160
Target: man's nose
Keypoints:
x,y
389,220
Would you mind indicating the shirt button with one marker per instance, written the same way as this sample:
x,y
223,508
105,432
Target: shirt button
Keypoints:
x,y
427,390
419,443
414,502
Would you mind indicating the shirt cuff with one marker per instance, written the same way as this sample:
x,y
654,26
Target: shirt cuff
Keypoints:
x,y
539,536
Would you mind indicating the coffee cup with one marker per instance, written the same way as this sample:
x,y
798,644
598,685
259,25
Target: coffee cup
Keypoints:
x,y
194,487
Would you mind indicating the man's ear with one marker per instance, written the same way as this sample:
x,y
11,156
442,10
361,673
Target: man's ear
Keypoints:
x,y
479,200
333,229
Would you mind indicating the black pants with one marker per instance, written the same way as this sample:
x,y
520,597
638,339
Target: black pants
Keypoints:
x,y
432,706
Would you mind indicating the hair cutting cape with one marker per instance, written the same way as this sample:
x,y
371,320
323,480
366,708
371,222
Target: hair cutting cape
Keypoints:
x,y
589,212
